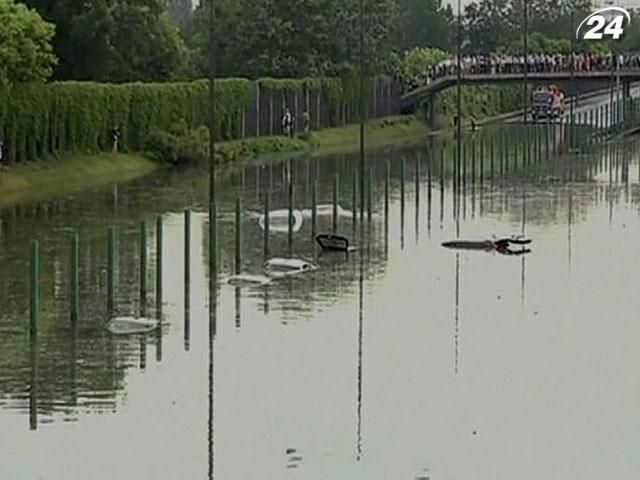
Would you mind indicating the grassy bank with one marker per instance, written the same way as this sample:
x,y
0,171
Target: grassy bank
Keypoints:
x,y
45,180
380,133
51,179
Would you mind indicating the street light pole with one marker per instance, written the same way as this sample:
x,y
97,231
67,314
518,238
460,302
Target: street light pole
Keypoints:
x,y
573,85
212,108
459,98
362,112
526,62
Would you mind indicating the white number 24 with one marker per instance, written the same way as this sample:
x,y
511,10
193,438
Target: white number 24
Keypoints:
x,y
614,29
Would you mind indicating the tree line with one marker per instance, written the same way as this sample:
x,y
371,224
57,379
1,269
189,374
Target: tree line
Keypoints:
x,y
167,40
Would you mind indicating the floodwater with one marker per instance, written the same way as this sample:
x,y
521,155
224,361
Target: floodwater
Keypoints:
x,y
403,360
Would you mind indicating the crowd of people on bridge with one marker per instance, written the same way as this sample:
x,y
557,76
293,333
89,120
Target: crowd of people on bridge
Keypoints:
x,y
496,64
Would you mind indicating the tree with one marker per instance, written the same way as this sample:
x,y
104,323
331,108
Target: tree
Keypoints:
x,y
424,23
539,44
419,60
115,40
196,34
26,53
490,24
180,11
316,37
487,25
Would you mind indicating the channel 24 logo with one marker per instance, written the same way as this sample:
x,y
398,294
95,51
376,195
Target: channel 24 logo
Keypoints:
x,y
612,25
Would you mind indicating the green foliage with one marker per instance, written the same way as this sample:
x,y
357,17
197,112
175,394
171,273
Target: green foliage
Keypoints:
x,y
263,146
490,24
26,53
425,23
630,42
38,120
416,61
538,43
482,101
115,40
179,145
280,39
180,11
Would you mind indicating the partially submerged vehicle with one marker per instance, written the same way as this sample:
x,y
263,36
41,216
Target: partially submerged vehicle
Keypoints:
x,y
131,325
501,245
333,243
249,280
287,267
326,210
547,103
279,221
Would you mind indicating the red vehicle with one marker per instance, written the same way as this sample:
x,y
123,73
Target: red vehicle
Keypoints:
x,y
547,103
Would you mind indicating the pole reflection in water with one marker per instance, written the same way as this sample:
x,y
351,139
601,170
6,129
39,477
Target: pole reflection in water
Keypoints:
x,y
417,196
159,279
73,362
523,231
456,336
33,383
238,307
402,194
442,186
187,280
429,187
213,315
360,348
143,352
569,225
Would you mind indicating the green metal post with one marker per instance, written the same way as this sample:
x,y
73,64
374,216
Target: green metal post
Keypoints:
x,y
336,186
143,269
369,193
267,208
187,249
159,259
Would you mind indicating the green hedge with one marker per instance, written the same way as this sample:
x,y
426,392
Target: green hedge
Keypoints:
x,y
482,101
39,120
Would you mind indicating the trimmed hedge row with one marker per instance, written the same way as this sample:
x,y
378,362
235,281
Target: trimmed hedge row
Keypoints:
x,y
38,120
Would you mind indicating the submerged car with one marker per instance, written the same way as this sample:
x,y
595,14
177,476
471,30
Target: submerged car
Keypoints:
x,y
131,325
287,267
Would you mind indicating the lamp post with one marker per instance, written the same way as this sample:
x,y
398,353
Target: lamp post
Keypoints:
x,y
459,98
573,102
526,62
212,109
362,112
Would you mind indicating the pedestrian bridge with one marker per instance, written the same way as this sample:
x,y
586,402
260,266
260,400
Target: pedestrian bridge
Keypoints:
x,y
412,99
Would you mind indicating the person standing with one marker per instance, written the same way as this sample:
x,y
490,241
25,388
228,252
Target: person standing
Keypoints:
x,y
287,122
115,139
306,121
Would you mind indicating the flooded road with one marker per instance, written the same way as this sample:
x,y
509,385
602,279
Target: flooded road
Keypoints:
x,y
402,360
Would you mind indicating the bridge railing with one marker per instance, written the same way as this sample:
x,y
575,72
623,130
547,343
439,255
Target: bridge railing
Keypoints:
x,y
502,65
